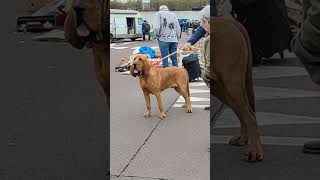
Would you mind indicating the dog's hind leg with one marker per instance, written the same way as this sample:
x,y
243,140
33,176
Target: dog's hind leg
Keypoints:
x,y
160,105
219,91
239,103
185,94
148,104
237,100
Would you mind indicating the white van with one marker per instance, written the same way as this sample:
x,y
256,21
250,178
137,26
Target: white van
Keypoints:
x,y
125,24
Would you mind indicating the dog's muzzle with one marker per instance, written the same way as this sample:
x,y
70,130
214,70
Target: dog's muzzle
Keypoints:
x,y
135,71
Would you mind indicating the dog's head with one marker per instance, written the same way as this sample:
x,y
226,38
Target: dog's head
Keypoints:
x,y
140,65
85,19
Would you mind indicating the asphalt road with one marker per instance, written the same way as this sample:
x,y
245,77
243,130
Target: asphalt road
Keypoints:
x,y
53,114
288,115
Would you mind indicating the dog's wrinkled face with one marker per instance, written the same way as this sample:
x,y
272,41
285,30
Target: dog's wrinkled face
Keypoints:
x,y
84,18
138,65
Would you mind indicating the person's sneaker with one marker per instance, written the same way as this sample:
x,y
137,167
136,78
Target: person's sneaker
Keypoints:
x,y
207,108
312,147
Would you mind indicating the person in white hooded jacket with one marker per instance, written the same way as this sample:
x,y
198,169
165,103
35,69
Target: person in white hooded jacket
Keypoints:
x,y
167,30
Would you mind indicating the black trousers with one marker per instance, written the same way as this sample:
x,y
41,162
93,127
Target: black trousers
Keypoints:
x,y
144,35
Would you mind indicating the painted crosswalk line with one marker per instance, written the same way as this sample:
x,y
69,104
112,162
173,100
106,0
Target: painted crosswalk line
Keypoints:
x,y
268,140
199,96
197,84
119,48
192,91
195,106
193,99
229,119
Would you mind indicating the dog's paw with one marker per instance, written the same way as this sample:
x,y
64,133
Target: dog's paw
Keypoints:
x,y
147,114
189,110
163,115
255,154
239,141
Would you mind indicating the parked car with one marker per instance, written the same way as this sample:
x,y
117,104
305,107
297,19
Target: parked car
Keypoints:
x,y
185,21
46,18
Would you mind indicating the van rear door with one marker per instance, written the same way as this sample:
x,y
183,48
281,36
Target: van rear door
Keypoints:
x,y
139,25
120,27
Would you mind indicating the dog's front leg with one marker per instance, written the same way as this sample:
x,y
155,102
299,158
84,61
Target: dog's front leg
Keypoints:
x,y
162,113
148,104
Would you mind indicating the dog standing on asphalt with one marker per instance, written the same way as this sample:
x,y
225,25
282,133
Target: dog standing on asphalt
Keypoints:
x,y
154,80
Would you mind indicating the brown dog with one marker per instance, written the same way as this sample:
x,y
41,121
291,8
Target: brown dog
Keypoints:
x,y
153,80
86,24
232,76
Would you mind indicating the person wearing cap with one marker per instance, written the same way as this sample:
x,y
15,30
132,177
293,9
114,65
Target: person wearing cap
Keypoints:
x,y
167,31
306,45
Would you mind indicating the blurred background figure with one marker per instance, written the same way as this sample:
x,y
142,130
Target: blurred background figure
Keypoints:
x,y
267,24
145,30
306,45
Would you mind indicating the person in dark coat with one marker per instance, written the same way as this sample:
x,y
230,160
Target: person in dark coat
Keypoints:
x,y
145,30
306,45
200,32
267,24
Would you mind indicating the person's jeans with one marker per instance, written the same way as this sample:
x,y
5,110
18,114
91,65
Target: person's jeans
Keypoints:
x,y
167,48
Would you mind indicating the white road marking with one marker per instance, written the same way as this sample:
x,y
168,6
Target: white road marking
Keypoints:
x,y
262,93
128,43
192,91
229,120
193,99
195,106
204,100
197,84
268,140
119,48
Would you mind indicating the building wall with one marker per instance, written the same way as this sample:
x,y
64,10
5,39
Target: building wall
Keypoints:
x,y
192,15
